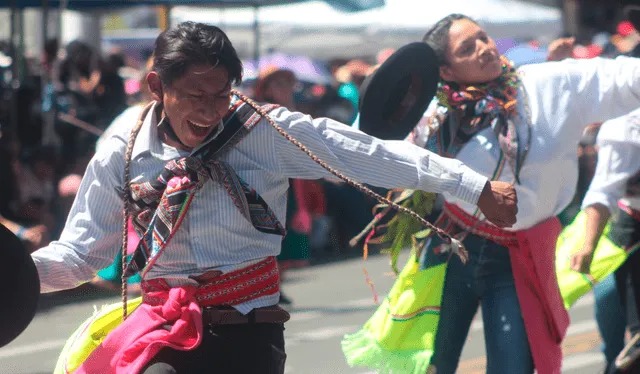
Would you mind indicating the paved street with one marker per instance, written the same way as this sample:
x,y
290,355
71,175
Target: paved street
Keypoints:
x,y
329,301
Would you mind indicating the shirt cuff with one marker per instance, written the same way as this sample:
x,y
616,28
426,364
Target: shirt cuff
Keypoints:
x,y
592,198
471,186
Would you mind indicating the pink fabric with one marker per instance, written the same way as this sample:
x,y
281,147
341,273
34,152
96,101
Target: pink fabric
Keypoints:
x,y
533,263
532,252
133,240
127,349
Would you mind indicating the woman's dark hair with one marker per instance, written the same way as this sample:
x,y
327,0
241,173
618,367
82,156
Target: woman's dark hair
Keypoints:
x,y
190,43
437,37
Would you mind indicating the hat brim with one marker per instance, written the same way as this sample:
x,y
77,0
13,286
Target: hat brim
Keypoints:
x,y
395,96
19,287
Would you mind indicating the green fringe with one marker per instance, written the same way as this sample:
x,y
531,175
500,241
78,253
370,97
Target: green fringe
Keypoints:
x,y
362,349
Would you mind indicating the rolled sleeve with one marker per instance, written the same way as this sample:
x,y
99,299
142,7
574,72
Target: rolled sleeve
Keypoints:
x,y
598,197
616,163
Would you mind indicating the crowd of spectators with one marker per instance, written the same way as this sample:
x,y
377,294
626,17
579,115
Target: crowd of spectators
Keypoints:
x,y
43,155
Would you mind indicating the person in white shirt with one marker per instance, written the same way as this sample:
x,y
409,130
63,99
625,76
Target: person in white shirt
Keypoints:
x,y
207,254
614,193
522,126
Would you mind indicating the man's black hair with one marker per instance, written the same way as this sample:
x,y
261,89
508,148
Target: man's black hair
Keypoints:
x,y
191,43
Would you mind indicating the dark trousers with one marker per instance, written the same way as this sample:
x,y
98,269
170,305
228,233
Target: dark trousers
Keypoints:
x,y
243,348
625,232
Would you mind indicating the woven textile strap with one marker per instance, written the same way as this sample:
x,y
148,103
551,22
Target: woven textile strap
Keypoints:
x,y
160,205
232,288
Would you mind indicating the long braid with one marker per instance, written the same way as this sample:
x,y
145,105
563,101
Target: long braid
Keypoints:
x,y
127,204
359,186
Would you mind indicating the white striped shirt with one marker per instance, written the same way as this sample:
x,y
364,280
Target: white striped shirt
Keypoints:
x,y
214,234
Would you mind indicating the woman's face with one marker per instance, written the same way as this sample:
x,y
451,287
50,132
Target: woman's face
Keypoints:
x,y
472,56
194,103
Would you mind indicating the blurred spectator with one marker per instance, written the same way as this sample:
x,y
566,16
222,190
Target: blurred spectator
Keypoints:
x,y
626,37
36,186
353,71
9,193
560,48
109,94
78,77
276,86
32,235
383,55
587,51
125,120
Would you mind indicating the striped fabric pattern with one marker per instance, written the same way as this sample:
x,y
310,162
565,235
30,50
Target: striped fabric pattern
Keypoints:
x,y
170,195
214,234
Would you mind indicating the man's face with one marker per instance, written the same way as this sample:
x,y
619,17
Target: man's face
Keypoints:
x,y
194,103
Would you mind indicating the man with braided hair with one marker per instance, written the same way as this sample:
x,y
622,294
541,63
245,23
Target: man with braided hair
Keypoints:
x,y
204,177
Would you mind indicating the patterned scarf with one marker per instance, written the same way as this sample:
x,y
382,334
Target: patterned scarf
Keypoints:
x,y
160,205
466,110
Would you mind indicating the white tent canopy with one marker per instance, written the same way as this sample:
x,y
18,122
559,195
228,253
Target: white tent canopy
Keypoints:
x,y
318,30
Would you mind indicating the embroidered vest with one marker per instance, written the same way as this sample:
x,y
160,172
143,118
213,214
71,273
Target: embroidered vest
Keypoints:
x,y
160,205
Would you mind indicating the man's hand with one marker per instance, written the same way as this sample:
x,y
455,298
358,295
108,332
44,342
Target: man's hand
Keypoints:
x,y
581,260
499,203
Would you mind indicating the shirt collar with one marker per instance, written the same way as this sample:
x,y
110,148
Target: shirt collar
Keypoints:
x,y
148,139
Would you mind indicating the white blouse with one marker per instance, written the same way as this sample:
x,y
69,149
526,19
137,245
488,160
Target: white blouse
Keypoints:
x,y
563,98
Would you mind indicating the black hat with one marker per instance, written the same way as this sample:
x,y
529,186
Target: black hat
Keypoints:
x,y
393,99
19,287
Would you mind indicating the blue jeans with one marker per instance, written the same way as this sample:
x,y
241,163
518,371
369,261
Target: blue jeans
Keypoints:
x,y
485,280
618,302
610,316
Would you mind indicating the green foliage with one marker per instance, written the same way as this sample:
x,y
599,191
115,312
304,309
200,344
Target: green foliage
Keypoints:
x,y
403,231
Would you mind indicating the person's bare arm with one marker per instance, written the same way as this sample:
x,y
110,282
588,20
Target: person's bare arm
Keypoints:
x,y
597,217
35,236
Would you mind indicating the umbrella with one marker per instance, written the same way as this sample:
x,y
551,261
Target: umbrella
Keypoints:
x,y
305,68
504,44
526,54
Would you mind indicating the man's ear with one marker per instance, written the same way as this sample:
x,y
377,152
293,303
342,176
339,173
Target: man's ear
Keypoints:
x,y
446,74
155,86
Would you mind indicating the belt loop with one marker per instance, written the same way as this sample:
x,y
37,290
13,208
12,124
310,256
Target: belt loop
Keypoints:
x,y
252,316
